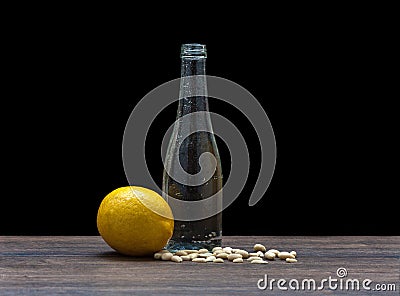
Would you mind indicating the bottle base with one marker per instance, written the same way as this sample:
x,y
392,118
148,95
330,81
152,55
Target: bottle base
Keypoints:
x,y
193,245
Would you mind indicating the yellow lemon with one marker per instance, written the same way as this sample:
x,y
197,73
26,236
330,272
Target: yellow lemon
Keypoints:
x,y
135,221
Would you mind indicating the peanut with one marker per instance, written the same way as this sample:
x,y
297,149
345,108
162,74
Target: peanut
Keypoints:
x,y
199,260
259,261
166,256
218,252
210,259
193,256
222,255
176,259
269,255
276,252
205,255
233,256
284,255
216,249
244,253
157,256
254,258
227,250
259,247
191,251
181,253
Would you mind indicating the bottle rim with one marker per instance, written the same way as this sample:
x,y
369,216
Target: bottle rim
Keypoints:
x,y
193,50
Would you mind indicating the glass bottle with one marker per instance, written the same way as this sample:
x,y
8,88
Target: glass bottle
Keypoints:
x,y
188,145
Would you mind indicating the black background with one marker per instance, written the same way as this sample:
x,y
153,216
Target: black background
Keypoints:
x,y
71,82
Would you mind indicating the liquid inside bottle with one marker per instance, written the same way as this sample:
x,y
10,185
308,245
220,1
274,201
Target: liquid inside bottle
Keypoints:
x,y
188,145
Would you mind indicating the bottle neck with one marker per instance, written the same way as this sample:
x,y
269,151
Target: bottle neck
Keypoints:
x,y
193,66
193,87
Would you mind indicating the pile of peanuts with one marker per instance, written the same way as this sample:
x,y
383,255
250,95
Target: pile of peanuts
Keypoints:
x,y
219,255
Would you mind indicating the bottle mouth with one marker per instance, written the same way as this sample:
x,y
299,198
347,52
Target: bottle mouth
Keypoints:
x,y
193,50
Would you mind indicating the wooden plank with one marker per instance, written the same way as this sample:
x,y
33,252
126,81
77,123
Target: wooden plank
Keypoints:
x,y
85,265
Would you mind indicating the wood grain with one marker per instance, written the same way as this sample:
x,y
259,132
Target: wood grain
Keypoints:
x,y
86,265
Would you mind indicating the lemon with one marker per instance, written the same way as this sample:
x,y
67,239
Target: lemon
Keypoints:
x,y
135,221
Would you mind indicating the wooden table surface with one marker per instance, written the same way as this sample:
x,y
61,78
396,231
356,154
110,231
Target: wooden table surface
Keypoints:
x,y
86,265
